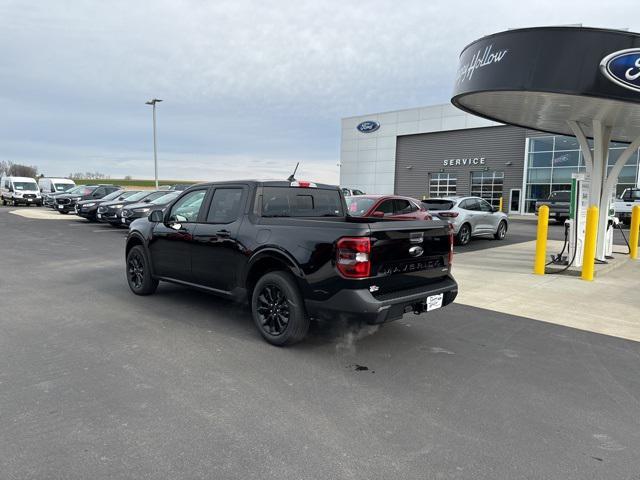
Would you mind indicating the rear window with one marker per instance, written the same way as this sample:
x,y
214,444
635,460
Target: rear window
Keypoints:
x,y
560,196
301,202
437,204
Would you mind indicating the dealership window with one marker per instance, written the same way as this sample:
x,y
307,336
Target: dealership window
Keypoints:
x,y
552,159
487,185
442,184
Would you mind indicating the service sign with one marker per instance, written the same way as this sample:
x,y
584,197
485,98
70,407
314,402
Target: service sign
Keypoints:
x,y
623,67
368,126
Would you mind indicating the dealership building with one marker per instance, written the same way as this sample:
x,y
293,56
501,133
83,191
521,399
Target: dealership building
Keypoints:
x,y
440,150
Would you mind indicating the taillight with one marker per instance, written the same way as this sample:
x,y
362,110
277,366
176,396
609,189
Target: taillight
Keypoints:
x,y
451,244
352,257
448,214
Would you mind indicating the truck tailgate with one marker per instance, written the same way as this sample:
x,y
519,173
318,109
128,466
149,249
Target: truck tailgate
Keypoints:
x,y
409,254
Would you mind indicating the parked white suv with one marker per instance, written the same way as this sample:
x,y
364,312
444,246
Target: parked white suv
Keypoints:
x,y
469,217
19,190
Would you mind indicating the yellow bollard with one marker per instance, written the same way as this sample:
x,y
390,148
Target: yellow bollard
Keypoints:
x,y
590,237
541,241
633,234
500,206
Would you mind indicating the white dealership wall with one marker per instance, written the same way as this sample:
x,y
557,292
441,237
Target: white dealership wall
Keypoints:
x,y
368,160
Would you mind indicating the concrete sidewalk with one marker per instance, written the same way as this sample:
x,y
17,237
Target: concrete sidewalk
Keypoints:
x,y
501,279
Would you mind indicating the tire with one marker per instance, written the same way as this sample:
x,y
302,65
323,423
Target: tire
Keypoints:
x,y
278,310
501,232
560,220
464,234
4,202
138,269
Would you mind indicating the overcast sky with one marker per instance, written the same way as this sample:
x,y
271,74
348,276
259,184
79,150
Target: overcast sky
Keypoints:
x,y
250,87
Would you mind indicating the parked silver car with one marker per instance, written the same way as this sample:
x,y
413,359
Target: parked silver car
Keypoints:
x,y
469,216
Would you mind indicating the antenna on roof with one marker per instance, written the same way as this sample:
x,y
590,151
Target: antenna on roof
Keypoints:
x,y
292,177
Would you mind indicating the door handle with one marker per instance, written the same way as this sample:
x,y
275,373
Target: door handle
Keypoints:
x,y
223,233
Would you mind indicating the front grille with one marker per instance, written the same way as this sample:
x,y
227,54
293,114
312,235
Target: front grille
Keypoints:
x,y
29,195
63,201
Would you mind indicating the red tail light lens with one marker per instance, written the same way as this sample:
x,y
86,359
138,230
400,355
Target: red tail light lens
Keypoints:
x,y
451,244
353,257
448,214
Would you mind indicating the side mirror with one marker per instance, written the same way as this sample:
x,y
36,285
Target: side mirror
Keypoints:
x,y
494,209
377,214
11,189
156,216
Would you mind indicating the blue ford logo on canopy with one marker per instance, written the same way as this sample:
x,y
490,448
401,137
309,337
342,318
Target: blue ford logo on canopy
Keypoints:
x,y
368,126
623,67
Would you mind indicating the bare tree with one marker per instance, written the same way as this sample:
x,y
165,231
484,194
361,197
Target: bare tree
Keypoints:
x,y
17,169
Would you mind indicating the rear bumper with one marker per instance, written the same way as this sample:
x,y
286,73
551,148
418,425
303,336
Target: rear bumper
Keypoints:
x,y
363,306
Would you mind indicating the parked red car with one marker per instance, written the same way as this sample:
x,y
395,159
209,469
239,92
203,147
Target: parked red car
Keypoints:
x,y
387,206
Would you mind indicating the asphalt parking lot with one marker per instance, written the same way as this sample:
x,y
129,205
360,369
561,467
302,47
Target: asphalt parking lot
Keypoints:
x,y
98,383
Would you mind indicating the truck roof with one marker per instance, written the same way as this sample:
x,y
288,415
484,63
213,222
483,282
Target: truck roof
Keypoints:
x,y
268,183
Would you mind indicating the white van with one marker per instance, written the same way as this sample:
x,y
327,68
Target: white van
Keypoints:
x,y
19,190
54,185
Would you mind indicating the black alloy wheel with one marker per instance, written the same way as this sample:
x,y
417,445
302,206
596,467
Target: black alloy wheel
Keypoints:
x,y
278,309
273,309
138,275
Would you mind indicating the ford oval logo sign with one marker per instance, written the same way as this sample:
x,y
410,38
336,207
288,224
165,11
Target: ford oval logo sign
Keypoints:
x,y
416,251
623,67
368,126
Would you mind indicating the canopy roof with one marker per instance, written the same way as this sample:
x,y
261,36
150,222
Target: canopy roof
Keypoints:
x,y
540,78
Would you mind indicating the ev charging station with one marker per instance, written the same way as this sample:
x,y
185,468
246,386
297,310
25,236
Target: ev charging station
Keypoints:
x,y
575,226
582,82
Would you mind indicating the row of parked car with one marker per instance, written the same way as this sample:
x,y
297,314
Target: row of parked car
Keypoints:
x,y
468,216
103,203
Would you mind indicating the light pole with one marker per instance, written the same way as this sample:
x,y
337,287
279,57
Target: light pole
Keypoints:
x,y
155,143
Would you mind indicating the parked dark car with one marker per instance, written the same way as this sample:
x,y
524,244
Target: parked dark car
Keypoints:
x,y
66,203
181,187
292,252
558,203
109,212
141,210
89,208
392,207
49,199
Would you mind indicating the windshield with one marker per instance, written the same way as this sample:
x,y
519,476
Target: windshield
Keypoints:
x,y
631,194
163,200
301,202
113,195
358,206
33,186
434,204
138,195
63,187
83,190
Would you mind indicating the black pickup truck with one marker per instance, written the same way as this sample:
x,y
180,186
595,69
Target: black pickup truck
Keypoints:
x,y
291,251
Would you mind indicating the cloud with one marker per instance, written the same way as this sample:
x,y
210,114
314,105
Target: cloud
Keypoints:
x,y
242,81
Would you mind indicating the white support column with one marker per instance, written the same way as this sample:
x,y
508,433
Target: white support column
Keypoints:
x,y
584,145
601,139
609,183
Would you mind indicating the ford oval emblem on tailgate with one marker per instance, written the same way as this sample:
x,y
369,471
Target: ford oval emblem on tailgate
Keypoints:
x,y
416,251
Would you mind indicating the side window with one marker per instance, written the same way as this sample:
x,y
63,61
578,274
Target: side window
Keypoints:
x,y
187,208
402,207
225,205
99,192
470,204
485,206
386,207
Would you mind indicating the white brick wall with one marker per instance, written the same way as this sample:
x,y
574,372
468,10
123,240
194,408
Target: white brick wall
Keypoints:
x,y
368,159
